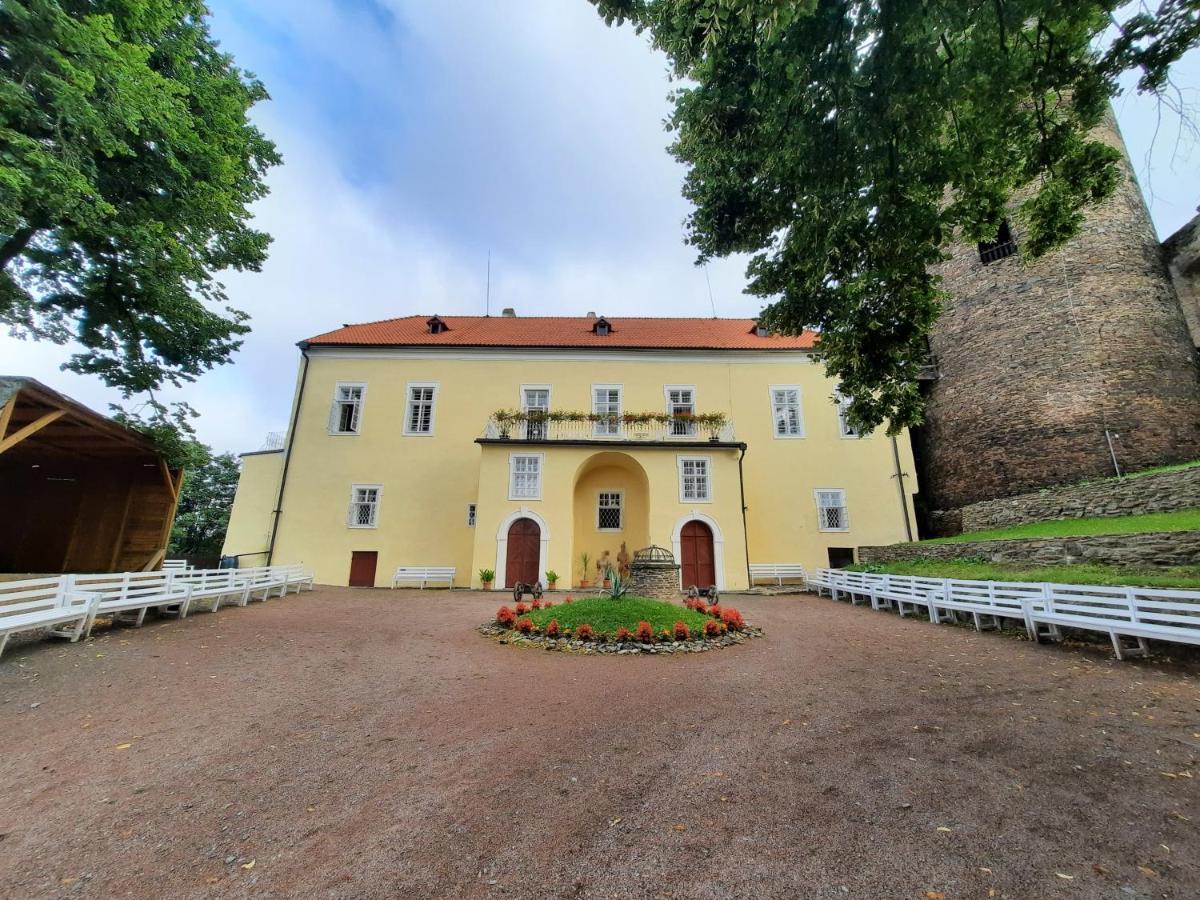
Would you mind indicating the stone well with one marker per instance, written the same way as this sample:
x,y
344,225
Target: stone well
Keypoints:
x,y
654,573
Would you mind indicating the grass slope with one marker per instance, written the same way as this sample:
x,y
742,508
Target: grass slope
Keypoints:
x,y
1181,520
1080,574
606,616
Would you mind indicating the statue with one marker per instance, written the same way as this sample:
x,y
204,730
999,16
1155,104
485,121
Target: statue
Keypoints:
x,y
603,564
623,561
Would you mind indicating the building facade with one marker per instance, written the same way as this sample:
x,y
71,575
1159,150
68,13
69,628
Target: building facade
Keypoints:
x,y
520,444
1076,365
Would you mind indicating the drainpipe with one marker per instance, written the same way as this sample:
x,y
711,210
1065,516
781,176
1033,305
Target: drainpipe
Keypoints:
x,y
287,453
900,476
745,536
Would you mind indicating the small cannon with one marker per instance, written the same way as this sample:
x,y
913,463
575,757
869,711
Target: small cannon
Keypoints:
x,y
520,589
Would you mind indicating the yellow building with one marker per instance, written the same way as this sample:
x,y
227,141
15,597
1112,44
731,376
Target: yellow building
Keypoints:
x,y
520,444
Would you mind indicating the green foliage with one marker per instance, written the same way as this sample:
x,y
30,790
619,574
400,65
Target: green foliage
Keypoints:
x,y
1179,520
844,143
171,430
127,166
551,576
584,559
1187,577
606,617
204,506
506,419
487,575
617,586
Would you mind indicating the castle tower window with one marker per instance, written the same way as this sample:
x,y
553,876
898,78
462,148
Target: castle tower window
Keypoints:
x,y
602,327
1002,246
437,325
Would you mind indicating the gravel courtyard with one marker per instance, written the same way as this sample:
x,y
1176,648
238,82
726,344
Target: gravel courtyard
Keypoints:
x,y
372,744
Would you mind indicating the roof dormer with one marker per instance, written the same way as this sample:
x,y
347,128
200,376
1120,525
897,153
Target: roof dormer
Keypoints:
x,y
437,325
602,327
760,330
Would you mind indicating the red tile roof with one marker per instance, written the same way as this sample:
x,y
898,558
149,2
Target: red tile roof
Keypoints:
x,y
563,332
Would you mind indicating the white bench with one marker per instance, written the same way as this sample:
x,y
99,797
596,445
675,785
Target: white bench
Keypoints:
x,y
175,565
214,585
134,593
424,575
37,603
818,581
777,572
264,580
298,577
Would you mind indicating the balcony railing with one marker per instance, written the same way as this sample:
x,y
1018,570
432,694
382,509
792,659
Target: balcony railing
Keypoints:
x,y
672,429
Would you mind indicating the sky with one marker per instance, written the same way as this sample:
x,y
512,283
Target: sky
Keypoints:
x,y
419,137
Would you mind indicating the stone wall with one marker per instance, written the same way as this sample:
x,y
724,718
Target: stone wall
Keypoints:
x,y
1037,358
1163,492
1182,252
1156,549
658,580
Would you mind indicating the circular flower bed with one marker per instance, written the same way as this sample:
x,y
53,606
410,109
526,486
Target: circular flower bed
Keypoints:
x,y
628,625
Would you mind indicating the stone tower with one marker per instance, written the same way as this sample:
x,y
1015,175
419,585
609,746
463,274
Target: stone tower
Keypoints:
x,y
1048,369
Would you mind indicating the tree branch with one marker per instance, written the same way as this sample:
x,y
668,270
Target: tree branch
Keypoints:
x,y
15,245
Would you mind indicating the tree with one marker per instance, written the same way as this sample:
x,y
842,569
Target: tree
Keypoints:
x,y
204,505
127,165
844,143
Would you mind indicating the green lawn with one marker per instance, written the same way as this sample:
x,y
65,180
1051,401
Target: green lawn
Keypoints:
x,y
1080,574
606,616
1181,520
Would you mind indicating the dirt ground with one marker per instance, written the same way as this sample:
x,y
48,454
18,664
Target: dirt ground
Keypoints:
x,y
372,744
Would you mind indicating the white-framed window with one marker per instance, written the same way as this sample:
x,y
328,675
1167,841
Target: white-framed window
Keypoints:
x,y
535,398
681,401
695,479
831,510
606,401
364,505
470,515
786,412
608,510
345,416
525,476
418,409
845,429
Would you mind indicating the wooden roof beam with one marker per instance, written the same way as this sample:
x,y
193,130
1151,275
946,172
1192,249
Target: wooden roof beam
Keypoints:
x,y
32,428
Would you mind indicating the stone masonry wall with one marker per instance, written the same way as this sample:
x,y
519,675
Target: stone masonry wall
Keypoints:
x,y
656,580
1182,252
1157,549
1038,357
1163,492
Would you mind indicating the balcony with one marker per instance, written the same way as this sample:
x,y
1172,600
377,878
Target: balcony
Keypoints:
x,y
649,428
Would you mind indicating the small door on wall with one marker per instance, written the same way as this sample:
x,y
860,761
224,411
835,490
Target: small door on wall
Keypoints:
x,y
697,559
524,550
362,568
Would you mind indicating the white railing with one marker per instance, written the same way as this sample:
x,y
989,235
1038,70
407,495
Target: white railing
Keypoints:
x,y
1044,608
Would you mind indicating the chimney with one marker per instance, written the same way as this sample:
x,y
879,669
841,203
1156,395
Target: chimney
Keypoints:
x,y
591,315
508,312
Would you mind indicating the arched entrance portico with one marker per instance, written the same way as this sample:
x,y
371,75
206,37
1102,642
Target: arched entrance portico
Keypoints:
x,y
525,532
611,507
694,534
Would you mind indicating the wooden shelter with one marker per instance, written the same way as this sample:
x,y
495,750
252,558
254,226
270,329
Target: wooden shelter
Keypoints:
x,y
78,491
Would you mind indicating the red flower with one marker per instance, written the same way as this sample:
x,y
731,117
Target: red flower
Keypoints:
x,y
505,617
522,608
712,628
584,632
645,632
623,634
536,604
552,628
568,598
525,626
714,611
681,631
732,619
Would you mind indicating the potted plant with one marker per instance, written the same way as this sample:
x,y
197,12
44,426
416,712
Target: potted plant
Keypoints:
x,y
487,576
584,559
551,579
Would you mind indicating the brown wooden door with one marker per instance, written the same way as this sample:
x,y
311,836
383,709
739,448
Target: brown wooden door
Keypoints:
x,y
696,548
524,548
362,568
